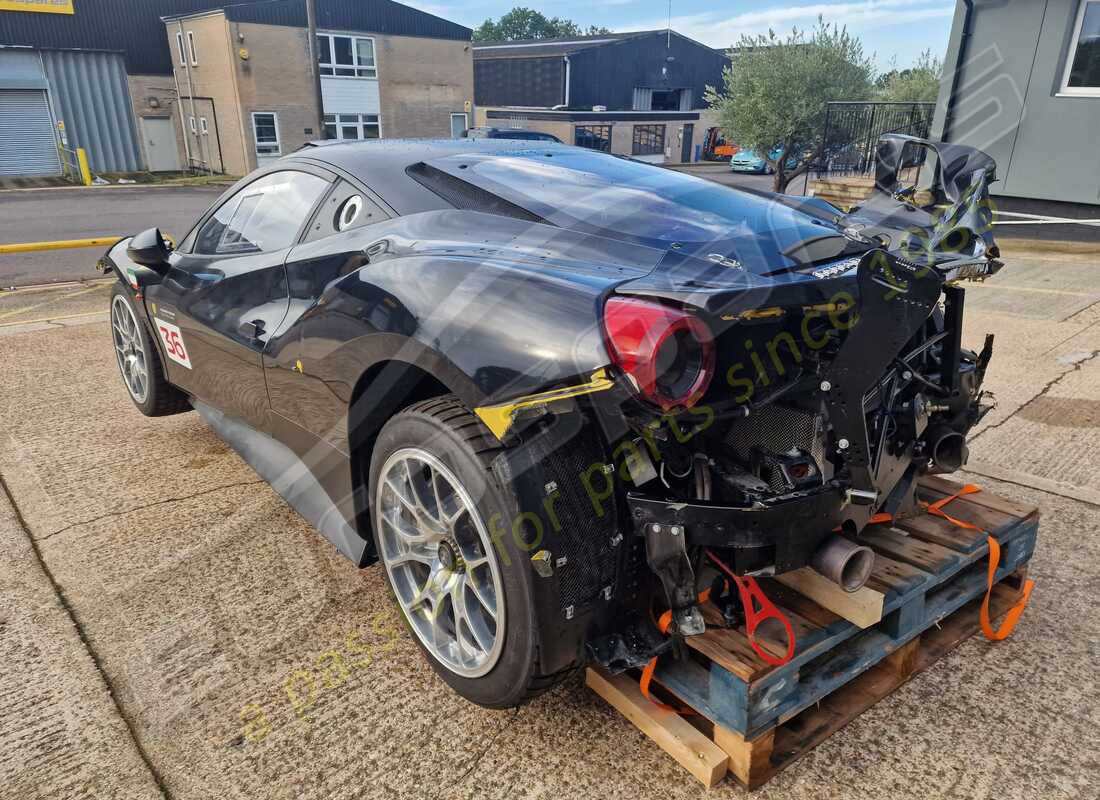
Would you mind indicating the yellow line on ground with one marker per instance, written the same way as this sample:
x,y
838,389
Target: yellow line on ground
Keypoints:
x,y
34,288
61,244
50,319
25,309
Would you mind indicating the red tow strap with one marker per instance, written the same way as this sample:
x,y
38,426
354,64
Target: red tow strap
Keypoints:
x,y
757,609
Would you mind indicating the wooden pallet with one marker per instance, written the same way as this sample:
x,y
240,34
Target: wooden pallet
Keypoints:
x,y
754,720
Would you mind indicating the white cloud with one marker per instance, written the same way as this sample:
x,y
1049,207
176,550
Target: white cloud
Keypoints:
x,y
718,30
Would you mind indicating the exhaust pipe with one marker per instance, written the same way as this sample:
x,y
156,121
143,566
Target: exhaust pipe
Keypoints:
x,y
947,448
843,562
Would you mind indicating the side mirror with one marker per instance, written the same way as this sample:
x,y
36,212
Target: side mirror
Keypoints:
x,y
149,249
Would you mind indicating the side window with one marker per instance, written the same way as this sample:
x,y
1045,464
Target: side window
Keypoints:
x,y
265,215
345,208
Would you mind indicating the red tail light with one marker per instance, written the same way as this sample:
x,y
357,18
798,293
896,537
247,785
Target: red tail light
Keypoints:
x,y
669,353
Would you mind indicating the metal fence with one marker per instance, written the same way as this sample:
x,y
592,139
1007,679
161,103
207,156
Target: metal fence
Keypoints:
x,y
852,130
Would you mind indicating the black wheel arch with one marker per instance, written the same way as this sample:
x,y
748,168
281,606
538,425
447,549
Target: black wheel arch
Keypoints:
x,y
382,390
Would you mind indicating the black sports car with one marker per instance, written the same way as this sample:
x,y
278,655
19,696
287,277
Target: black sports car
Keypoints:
x,y
553,391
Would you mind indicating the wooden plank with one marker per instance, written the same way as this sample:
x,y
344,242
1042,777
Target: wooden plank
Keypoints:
x,y
923,555
889,575
800,604
773,638
964,509
747,759
731,647
862,607
692,749
903,661
803,733
730,650
937,530
990,500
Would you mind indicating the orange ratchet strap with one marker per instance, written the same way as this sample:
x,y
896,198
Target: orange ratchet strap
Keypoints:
x,y
1012,616
663,625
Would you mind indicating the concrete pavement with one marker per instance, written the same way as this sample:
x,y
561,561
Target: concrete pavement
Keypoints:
x,y
83,212
169,627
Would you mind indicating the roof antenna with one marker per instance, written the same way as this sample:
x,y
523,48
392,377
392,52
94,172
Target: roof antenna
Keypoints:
x,y
668,43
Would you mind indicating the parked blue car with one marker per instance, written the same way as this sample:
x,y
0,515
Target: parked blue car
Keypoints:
x,y
751,161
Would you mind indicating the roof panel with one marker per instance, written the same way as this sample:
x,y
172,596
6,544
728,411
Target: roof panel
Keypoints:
x,y
560,46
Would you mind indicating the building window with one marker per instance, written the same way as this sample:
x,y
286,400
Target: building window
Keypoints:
x,y
191,48
351,127
594,137
649,140
346,56
1082,73
665,100
265,128
194,128
182,52
203,128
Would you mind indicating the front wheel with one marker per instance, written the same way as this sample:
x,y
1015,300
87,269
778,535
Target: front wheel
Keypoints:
x,y
463,585
139,362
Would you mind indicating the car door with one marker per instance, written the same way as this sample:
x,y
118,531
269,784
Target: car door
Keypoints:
x,y
226,291
334,246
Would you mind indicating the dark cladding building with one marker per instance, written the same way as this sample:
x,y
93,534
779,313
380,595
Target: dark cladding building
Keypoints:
x,y
640,94
640,71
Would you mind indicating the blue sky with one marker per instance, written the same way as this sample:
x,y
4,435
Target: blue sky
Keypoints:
x,y
888,28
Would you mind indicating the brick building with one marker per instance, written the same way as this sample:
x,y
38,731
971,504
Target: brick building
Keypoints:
x,y
217,85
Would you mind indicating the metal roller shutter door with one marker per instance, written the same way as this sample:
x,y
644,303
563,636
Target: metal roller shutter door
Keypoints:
x,y
27,142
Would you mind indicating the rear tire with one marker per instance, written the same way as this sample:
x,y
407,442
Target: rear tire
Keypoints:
x,y
139,361
432,462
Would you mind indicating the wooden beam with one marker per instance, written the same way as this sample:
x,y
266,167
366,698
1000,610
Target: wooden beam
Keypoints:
x,y
672,733
749,761
862,607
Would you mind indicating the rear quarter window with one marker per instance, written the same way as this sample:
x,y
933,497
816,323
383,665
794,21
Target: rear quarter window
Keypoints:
x,y
346,208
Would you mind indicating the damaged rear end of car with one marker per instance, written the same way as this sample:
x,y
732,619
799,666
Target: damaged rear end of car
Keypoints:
x,y
763,404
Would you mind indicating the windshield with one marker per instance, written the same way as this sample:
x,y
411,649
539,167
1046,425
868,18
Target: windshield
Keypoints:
x,y
616,197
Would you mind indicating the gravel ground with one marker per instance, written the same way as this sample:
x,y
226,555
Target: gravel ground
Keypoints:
x,y
170,628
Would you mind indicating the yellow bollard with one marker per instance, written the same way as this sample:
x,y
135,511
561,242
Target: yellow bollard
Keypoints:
x,y
82,161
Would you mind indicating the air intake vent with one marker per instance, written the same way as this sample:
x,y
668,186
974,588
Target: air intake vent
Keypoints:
x,y
466,196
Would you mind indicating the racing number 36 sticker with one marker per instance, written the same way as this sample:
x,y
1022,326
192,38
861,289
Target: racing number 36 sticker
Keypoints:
x,y
173,343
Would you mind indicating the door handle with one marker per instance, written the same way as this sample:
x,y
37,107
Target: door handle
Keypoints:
x,y
252,330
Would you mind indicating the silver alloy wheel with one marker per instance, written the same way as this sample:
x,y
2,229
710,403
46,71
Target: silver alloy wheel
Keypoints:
x,y
129,351
440,561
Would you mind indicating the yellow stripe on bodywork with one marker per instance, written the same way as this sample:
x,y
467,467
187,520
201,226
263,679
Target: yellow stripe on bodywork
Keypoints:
x,y
499,418
755,313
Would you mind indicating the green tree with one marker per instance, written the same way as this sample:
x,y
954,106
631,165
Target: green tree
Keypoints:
x,y
774,92
918,84
526,23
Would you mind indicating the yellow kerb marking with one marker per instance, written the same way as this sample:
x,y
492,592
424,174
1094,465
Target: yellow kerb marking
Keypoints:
x,y
62,244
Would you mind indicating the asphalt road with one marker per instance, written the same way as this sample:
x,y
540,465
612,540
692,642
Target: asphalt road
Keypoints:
x,y
50,214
